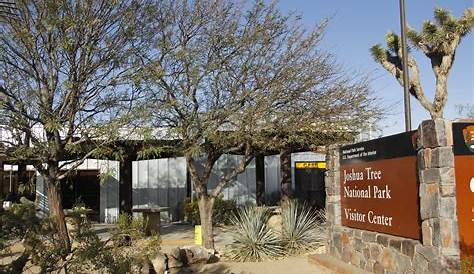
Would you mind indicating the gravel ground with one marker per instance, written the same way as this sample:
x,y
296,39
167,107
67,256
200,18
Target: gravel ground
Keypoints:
x,y
297,265
174,235
183,235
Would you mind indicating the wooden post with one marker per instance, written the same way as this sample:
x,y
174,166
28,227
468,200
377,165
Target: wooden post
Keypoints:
x,y
285,171
260,179
1,179
125,187
22,176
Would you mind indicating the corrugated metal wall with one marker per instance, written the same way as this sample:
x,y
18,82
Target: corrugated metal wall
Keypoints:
x,y
242,188
160,182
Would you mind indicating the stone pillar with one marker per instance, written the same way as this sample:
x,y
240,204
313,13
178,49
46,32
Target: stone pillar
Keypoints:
x,y
440,236
333,187
333,202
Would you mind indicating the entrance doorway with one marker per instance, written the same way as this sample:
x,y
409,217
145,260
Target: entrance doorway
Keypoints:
x,y
309,183
82,187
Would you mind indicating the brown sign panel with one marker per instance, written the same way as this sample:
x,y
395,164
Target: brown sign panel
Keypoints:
x,y
379,187
463,136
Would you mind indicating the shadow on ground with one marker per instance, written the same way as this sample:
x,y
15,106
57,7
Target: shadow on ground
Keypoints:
x,y
201,269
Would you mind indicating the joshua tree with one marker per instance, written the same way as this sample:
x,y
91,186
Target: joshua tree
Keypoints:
x,y
438,41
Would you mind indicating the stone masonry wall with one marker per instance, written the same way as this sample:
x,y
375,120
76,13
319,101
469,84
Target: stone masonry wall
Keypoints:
x,y
438,252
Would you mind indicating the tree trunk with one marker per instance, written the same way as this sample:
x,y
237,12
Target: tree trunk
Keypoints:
x,y
1,180
285,172
22,177
125,186
57,213
260,179
205,213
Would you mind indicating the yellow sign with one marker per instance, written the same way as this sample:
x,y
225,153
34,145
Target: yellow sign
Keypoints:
x,y
303,165
197,235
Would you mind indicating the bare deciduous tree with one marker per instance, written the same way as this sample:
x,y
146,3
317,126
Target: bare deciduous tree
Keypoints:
x,y
438,41
465,110
227,79
334,109
65,70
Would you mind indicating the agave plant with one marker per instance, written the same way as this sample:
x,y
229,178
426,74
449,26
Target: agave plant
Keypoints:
x,y
254,240
303,228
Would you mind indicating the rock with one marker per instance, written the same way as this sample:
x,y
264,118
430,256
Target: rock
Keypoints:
x,y
420,264
175,252
369,266
427,233
368,236
378,268
345,239
442,175
443,157
383,240
31,268
448,239
197,254
174,263
429,253
448,190
402,263
424,158
346,253
408,247
447,207
275,222
429,201
356,258
375,251
396,244
159,263
388,259
436,133
366,253
134,269
358,244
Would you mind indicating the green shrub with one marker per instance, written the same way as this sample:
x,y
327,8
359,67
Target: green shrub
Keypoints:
x,y
130,225
467,265
254,240
303,229
222,210
191,211
89,254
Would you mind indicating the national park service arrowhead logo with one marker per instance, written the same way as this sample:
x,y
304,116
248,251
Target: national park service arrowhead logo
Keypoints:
x,y
468,134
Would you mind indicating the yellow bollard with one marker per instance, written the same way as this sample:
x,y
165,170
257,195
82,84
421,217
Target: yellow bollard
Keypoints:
x,y
197,235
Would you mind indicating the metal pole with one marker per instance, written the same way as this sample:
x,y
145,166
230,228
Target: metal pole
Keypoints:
x,y
406,93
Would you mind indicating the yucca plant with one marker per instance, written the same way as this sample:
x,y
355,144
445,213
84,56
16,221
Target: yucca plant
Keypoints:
x,y
302,228
254,240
